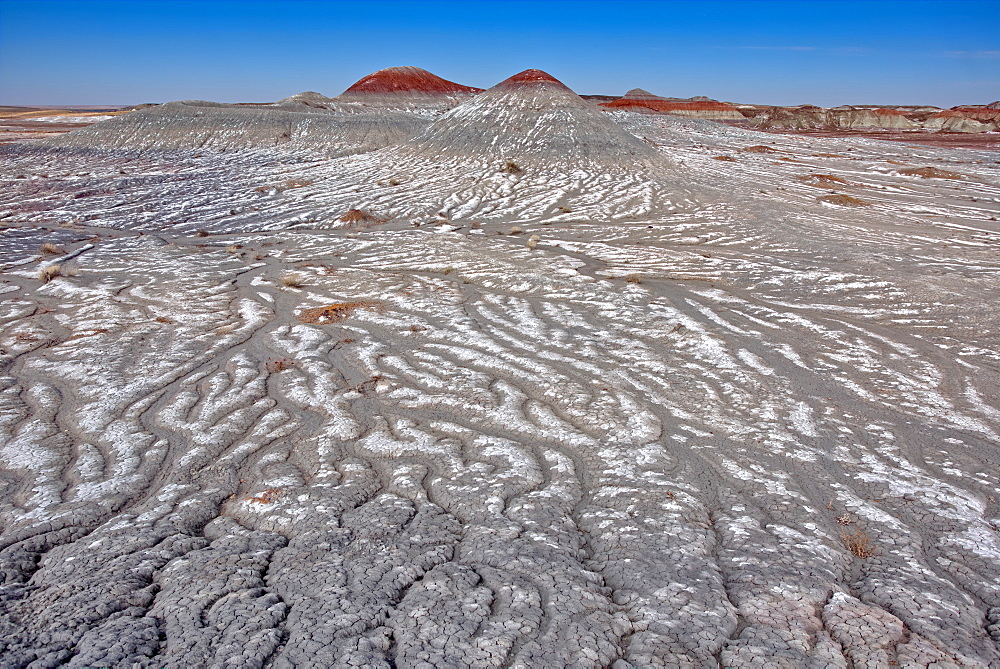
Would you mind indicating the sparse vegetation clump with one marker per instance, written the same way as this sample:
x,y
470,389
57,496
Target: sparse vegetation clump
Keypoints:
x,y
533,241
359,218
510,167
633,278
276,365
48,248
843,200
516,230
859,543
49,272
336,312
292,280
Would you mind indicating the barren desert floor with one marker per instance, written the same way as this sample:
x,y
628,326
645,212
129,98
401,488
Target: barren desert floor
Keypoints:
x,y
736,406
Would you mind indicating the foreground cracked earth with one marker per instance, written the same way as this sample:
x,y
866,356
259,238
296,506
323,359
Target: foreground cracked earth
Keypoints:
x,y
774,444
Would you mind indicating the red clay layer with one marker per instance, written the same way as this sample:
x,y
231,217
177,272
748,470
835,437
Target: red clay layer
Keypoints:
x,y
530,78
978,113
669,105
408,79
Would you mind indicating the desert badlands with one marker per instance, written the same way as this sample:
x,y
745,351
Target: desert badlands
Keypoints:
x,y
425,375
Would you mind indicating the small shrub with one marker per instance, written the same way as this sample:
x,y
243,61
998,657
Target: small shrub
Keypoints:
x,y
475,225
510,167
48,248
516,230
336,312
276,365
634,278
269,496
201,233
164,319
843,200
292,280
565,210
233,248
533,241
49,272
859,543
359,218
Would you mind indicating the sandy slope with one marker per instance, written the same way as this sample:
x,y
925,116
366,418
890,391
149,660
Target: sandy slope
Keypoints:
x,y
505,456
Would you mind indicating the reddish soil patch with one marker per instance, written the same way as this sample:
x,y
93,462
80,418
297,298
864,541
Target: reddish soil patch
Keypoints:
x,y
397,80
667,106
336,312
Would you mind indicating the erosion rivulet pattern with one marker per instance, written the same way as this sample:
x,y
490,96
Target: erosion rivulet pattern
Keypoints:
x,y
775,443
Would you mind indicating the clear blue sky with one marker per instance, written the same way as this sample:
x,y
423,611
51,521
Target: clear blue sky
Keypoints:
x,y
826,53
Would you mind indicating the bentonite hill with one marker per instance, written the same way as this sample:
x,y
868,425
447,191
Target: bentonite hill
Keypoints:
x,y
428,376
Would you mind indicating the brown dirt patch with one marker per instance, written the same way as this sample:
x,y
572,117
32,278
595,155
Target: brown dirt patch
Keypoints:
x,y
822,180
930,173
843,200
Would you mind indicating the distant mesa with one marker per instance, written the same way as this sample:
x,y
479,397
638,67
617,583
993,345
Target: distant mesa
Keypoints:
x,y
698,107
962,119
405,81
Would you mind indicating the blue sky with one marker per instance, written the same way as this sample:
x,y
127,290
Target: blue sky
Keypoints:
x,y
826,53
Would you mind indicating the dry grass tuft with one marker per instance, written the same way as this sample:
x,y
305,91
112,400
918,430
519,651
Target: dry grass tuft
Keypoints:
x,y
48,248
516,230
234,248
760,148
49,273
201,233
336,312
533,241
359,218
276,365
728,159
292,280
843,200
859,543
930,173
634,278
296,183
510,167
269,496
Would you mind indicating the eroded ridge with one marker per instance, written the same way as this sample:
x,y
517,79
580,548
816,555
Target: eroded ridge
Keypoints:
x,y
547,420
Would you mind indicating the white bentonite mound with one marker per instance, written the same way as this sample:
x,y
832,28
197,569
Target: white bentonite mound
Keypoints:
x,y
532,117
